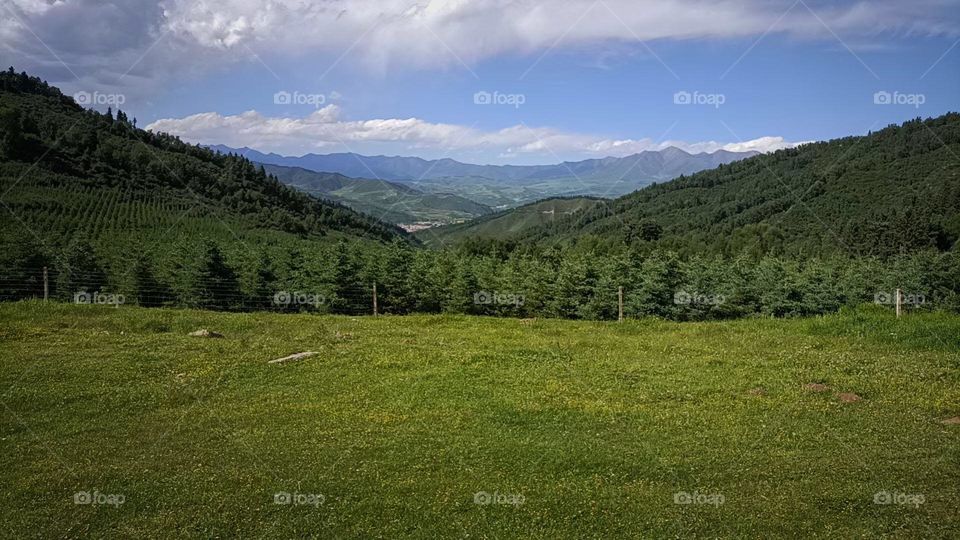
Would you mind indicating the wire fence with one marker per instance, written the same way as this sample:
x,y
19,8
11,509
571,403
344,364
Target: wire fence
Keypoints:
x,y
200,292
356,296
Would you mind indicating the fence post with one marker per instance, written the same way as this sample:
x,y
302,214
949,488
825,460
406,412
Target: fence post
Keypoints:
x,y
898,303
46,285
620,303
374,298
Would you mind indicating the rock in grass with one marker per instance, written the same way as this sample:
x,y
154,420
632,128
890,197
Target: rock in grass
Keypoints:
x,y
204,333
293,357
954,421
816,387
849,397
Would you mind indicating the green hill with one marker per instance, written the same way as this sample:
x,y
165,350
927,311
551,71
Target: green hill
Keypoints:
x,y
389,201
103,204
507,223
893,191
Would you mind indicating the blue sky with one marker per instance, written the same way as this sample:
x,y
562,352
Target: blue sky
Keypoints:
x,y
601,82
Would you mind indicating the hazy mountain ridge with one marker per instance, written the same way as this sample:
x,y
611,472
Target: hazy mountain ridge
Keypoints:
x,y
605,177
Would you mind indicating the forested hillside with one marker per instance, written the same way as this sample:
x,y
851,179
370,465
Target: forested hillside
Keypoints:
x,y
893,191
50,142
115,212
388,201
507,223
101,202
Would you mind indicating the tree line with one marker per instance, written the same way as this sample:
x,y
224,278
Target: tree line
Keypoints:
x,y
562,282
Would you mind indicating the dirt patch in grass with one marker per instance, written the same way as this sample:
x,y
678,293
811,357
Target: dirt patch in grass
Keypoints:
x,y
849,397
816,387
952,421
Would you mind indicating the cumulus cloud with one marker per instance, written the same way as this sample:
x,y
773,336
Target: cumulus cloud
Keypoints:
x,y
325,130
150,41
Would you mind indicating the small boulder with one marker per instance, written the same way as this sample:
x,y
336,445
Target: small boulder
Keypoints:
x,y
204,333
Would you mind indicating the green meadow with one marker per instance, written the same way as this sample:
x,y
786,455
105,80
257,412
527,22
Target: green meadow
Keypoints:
x,y
117,423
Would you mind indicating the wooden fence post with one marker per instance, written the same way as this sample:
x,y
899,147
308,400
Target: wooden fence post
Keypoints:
x,y
46,285
898,303
620,304
374,298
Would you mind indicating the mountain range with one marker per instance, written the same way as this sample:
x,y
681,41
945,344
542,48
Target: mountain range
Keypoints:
x,y
503,186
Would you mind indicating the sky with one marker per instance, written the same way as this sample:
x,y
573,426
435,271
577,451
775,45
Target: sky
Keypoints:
x,y
496,81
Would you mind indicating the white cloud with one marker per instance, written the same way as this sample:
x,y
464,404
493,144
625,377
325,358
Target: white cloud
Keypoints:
x,y
159,41
325,130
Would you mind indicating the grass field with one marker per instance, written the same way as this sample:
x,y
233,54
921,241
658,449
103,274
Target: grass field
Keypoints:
x,y
582,430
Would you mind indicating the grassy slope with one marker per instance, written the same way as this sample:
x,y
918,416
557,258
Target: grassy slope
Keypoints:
x,y
400,421
509,222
